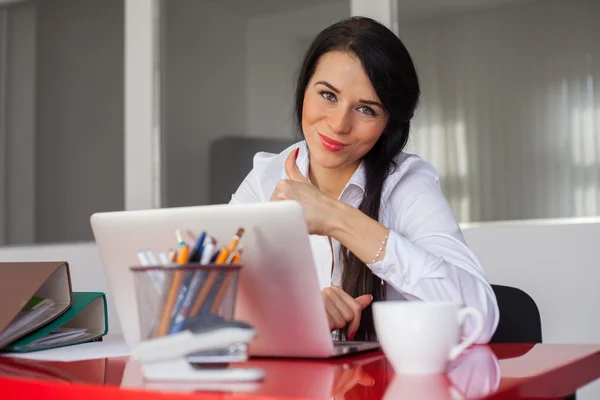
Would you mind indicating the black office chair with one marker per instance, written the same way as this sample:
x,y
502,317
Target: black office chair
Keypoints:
x,y
520,320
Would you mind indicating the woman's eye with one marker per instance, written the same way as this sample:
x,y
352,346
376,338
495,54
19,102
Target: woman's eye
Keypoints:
x,y
366,110
328,96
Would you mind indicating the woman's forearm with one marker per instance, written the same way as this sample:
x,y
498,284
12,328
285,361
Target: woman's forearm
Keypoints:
x,y
361,234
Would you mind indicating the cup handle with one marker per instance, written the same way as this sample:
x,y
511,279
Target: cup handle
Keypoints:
x,y
462,316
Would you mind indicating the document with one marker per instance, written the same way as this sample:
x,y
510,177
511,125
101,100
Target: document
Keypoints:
x,y
79,352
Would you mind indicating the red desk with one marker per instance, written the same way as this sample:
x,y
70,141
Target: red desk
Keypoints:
x,y
543,371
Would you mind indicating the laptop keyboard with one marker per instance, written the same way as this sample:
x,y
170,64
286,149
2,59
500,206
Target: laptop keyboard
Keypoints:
x,y
340,343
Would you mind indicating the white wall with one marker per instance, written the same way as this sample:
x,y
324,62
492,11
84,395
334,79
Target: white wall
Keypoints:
x,y
275,48
79,141
205,63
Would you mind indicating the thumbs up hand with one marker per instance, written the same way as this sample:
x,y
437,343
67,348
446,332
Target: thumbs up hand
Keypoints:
x,y
318,207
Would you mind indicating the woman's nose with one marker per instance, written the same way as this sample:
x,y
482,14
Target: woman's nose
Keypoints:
x,y
340,120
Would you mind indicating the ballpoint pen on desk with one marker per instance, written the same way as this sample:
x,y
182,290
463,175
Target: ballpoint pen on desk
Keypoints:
x,y
196,251
213,275
208,250
194,285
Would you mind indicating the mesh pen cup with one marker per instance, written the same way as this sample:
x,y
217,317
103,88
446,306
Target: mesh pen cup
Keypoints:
x,y
174,298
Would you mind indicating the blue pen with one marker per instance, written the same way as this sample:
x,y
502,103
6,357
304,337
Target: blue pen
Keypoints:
x,y
196,281
214,257
196,252
185,287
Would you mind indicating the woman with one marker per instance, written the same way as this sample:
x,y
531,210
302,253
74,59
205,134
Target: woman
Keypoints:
x,y
392,233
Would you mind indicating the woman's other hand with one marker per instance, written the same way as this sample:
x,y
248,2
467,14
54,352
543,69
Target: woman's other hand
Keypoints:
x,y
342,309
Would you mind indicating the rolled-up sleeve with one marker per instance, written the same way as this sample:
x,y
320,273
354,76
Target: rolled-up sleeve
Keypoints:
x,y
427,259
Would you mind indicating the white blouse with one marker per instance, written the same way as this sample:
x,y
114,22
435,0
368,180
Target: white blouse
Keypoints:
x,y
426,257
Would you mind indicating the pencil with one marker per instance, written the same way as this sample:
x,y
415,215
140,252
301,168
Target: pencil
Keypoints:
x,y
182,257
213,275
238,256
224,254
163,328
222,292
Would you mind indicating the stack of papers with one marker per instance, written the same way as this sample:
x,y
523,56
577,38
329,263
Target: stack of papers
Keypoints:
x,y
79,352
36,309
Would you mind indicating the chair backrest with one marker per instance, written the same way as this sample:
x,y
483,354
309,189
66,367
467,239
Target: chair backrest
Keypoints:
x,y
520,320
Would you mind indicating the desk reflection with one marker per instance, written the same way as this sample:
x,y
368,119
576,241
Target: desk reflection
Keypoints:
x,y
475,374
369,376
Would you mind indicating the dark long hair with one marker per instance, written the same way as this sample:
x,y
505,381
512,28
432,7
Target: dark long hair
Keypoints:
x,y
392,73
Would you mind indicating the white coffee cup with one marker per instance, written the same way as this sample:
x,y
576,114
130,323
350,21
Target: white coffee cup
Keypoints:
x,y
421,337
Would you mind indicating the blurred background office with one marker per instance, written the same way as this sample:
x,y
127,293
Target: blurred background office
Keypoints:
x,y
114,104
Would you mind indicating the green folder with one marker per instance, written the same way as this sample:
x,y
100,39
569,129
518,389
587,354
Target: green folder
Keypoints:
x,y
85,321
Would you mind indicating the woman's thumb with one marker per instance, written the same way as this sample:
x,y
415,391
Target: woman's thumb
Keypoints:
x,y
291,168
364,300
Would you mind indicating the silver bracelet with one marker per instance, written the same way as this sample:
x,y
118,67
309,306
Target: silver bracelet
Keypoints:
x,y
382,246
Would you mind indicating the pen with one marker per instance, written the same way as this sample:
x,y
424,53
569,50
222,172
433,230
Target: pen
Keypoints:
x,y
196,252
213,275
208,250
195,283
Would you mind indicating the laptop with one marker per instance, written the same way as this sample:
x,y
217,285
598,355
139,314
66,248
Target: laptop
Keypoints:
x,y
278,287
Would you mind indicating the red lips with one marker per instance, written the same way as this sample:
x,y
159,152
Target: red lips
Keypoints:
x,y
330,144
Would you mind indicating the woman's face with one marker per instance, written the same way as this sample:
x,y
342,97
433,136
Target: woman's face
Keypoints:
x,y
342,117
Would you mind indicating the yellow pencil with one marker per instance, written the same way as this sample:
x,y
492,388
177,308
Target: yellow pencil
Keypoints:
x,y
182,258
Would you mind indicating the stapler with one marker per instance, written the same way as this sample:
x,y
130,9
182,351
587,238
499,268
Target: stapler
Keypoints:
x,y
200,353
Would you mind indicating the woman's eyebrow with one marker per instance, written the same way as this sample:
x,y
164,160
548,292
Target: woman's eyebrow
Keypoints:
x,y
329,85
372,103
369,102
